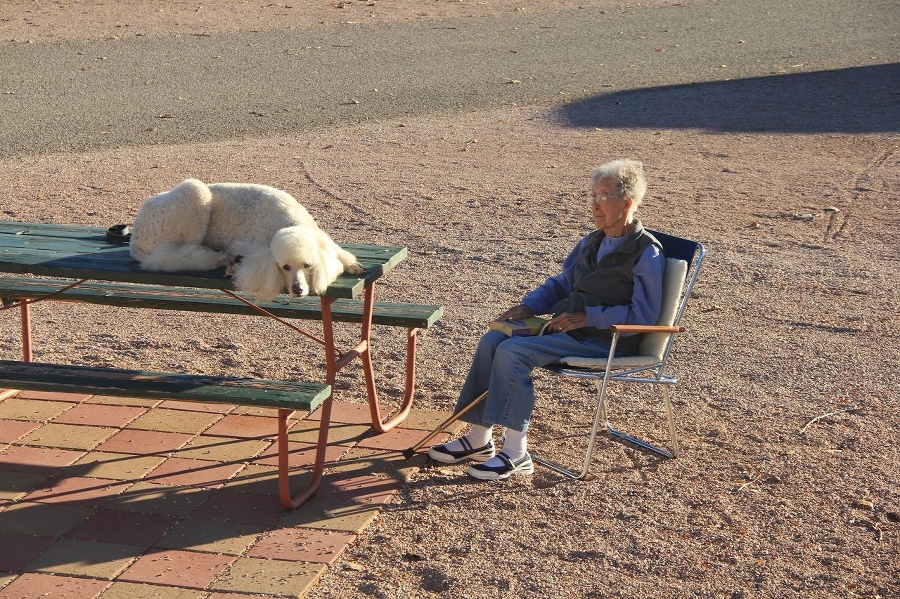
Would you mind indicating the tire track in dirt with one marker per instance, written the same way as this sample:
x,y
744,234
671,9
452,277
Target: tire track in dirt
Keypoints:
x,y
866,181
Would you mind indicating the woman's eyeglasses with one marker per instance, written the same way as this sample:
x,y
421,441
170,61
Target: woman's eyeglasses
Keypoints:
x,y
602,199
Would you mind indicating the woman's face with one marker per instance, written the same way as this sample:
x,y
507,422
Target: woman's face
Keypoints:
x,y
609,211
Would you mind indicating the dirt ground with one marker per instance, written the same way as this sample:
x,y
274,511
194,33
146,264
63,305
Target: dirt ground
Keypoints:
x,y
36,20
788,404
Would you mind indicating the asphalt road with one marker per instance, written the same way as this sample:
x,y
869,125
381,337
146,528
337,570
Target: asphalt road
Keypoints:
x,y
72,96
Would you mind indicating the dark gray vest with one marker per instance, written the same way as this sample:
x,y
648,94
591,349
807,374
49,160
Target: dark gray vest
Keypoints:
x,y
609,282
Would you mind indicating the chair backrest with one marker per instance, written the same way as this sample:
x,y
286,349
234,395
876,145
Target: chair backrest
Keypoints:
x,y
678,280
683,259
654,344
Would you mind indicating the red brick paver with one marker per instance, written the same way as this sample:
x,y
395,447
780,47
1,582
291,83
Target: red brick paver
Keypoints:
x,y
302,544
10,430
18,550
98,415
47,585
114,526
173,567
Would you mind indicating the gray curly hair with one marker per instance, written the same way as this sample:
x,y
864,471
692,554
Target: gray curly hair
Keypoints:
x,y
628,176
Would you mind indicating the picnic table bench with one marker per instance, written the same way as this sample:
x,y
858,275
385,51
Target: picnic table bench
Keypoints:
x,y
80,264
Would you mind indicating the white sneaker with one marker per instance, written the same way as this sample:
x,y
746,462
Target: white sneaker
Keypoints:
x,y
523,465
440,453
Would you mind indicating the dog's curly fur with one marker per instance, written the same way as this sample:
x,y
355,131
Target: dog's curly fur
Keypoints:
x,y
264,237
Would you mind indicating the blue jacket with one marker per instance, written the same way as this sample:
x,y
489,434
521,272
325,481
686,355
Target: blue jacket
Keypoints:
x,y
613,280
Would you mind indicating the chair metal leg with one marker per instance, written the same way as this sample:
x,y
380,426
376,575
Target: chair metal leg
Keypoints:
x,y
601,416
556,467
671,418
665,382
27,354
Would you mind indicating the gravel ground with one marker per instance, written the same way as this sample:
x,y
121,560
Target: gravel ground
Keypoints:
x,y
787,407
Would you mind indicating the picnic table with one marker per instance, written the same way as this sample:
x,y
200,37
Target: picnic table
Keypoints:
x,y
80,263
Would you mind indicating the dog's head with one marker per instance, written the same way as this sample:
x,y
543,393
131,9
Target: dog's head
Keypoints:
x,y
298,255
296,261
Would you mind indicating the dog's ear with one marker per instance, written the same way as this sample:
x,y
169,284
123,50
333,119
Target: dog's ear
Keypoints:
x,y
327,266
259,275
318,275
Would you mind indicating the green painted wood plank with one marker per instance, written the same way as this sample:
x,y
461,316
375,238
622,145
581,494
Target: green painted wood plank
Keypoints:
x,y
49,229
162,385
115,262
84,253
418,316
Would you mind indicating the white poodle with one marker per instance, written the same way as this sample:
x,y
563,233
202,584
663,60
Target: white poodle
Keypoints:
x,y
265,237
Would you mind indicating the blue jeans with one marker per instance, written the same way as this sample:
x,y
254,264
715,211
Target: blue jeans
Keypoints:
x,y
503,366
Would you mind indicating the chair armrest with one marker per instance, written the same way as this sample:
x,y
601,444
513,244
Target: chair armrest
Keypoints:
x,y
640,328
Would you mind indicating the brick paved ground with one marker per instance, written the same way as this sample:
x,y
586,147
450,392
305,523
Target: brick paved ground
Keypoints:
x,y
117,497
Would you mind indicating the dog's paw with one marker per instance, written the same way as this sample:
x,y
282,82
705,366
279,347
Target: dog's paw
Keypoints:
x,y
232,266
355,269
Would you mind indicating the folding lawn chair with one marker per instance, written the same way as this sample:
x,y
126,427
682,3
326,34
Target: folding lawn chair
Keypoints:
x,y
683,259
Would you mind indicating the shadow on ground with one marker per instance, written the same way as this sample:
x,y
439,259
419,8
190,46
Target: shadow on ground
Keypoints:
x,y
854,100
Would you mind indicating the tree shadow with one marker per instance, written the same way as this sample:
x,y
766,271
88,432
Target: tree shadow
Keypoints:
x,y
854,100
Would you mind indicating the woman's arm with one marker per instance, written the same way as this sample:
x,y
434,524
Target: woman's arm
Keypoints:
x,y
542,299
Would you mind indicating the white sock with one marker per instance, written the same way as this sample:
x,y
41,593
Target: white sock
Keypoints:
x,y
514,447
478,436
516,444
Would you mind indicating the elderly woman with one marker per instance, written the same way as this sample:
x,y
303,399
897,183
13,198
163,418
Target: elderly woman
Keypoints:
x,y
613,276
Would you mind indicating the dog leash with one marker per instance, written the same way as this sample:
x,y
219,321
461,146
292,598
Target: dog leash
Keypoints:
x,y
265,312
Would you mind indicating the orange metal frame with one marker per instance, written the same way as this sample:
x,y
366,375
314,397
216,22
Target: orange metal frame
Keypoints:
x,y
334,362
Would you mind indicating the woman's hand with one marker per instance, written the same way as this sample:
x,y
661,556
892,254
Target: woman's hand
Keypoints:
x,y
566,322
516,313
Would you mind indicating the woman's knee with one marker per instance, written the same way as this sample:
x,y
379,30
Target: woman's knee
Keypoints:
x,y
525,351
509,354
490,341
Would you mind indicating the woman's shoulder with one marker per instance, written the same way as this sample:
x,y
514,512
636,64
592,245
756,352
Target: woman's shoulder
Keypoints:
x,y
594,237
652,258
